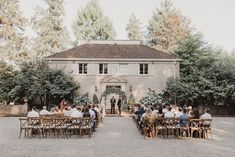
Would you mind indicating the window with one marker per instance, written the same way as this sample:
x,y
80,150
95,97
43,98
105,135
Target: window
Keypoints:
x,y
103,68
123,69
143,68
82,68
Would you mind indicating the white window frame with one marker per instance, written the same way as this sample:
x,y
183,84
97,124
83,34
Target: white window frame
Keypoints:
x,y
84,69
144,69
104,65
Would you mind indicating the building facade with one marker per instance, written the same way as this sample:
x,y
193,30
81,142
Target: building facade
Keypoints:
x,y
127,65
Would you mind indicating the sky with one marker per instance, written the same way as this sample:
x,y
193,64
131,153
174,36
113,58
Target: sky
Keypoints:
x,y
214,18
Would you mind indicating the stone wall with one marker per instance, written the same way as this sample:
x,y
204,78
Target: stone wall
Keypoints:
x,y
13,110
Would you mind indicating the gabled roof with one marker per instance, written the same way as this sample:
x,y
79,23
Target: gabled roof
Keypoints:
x,y
112,51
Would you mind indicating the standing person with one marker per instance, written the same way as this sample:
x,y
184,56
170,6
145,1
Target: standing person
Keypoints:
x,y
62,105
119,104
113,102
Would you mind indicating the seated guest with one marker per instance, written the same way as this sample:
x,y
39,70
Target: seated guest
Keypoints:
x,y
178,112
96,117
44,111
141,111
53,111
148,117
68,111
33,113
164,110
76,112
86,112
160,113
184,118
206,115
73,108
195,113
92,113
58,111
155,111
148,112
97,108
169,114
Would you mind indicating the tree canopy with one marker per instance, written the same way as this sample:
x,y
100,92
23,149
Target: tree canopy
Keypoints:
x,y
91,23
51,35
206,75
12,28
166,27
133,28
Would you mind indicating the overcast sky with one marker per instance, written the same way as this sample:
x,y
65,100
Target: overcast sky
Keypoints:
x,y
214,18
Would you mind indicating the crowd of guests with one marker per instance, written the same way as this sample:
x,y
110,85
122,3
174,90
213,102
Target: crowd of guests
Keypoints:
x,y
69,111
169,111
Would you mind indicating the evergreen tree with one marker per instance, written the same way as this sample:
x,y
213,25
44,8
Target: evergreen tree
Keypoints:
x,y
12,39
52,37
206,76
95,99
166,27
92,24
133,28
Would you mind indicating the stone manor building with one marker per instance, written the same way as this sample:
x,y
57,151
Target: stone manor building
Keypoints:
x,y
127,65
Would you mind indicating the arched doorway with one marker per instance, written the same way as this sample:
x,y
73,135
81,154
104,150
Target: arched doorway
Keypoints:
x,y
110,91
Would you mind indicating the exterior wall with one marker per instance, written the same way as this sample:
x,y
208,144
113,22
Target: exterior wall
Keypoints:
x,y
156,78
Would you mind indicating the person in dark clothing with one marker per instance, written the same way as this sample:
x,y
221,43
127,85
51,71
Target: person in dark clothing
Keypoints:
x,y
140,112
86,112
113,102
96,117
119,104
195,113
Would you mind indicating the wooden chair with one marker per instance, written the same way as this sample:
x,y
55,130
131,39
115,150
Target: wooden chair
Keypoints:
x,y
35,127
172,127
160,126
86,126
149,129
60,126
185,129
206,127
48,126
195,125
74,127
23,126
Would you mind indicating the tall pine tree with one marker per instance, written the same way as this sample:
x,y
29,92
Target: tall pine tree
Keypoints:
x,y
91,23
133,28
52,36
167,26
12,39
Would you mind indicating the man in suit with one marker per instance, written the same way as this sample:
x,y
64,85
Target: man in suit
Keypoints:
x,y
113,102
119,104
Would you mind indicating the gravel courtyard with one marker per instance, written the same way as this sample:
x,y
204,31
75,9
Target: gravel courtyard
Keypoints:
x,y
118,137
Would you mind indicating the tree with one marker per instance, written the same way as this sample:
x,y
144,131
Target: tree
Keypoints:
x,y
166,27
207,77
7,76
36,79
91,23
131,100
95,99
52,37
151,98
12,39
82,100
133,28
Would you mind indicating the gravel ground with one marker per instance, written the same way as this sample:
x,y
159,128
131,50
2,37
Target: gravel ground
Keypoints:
x,y
118,137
